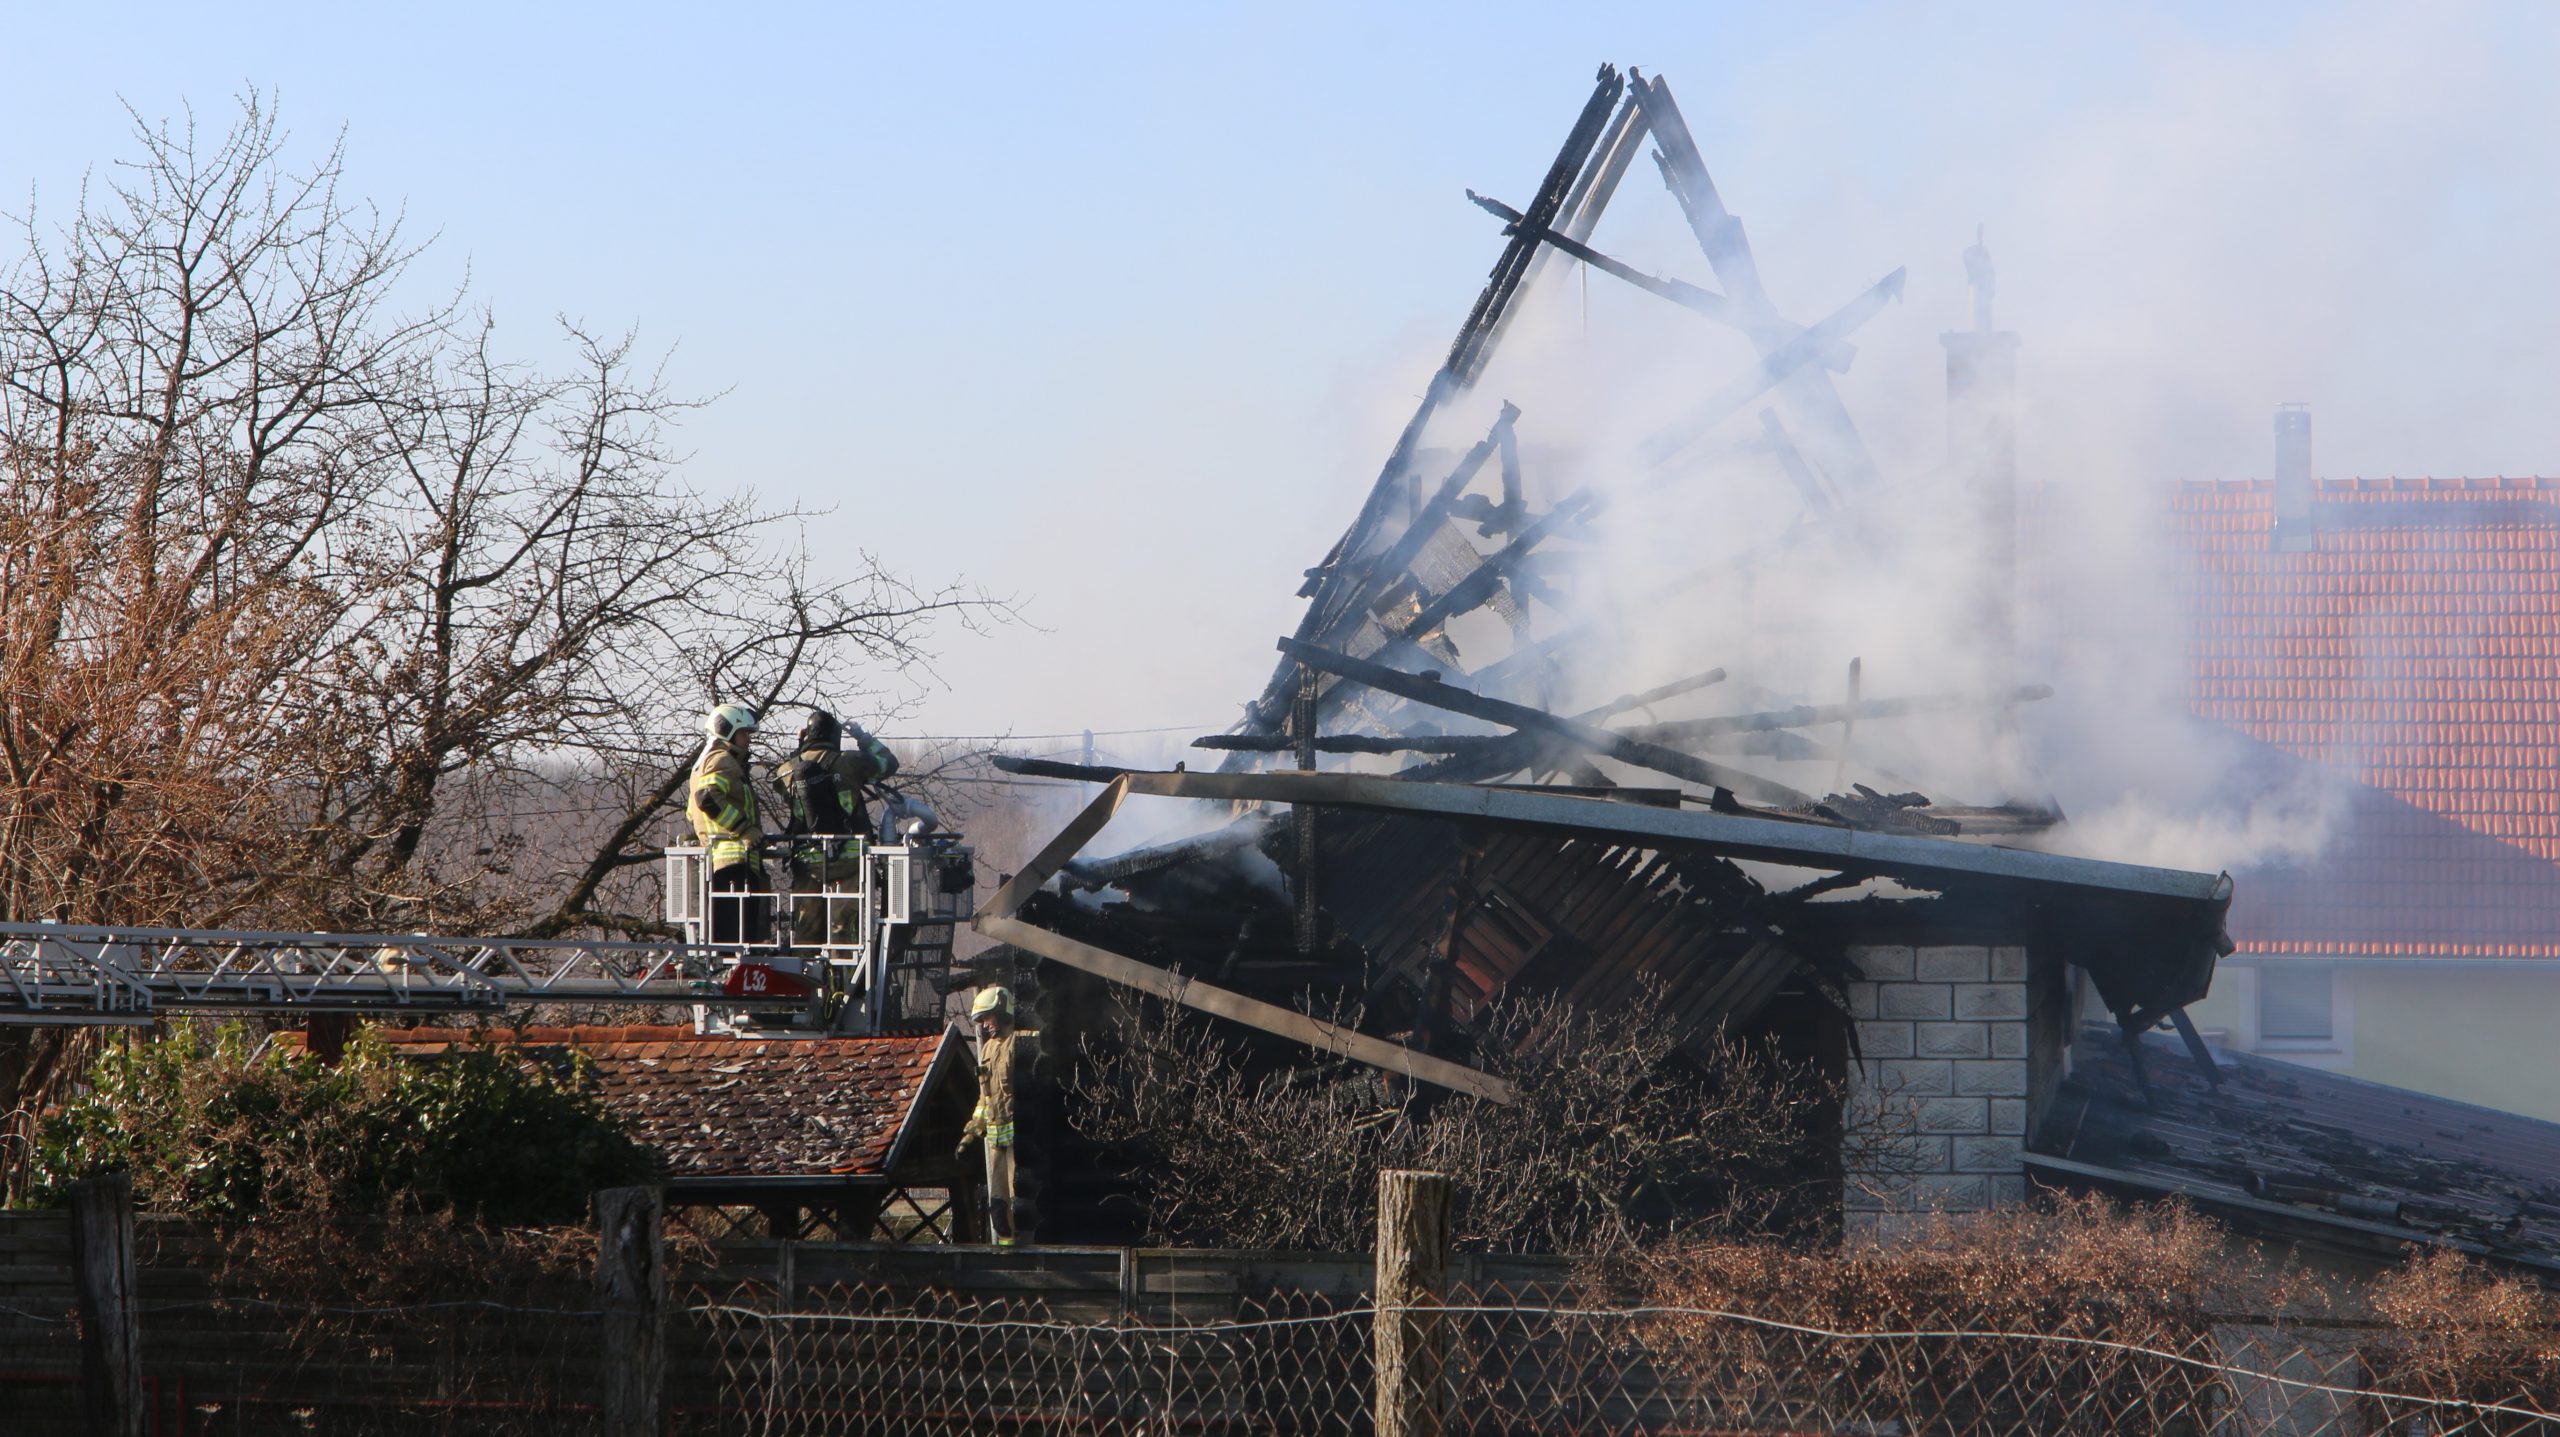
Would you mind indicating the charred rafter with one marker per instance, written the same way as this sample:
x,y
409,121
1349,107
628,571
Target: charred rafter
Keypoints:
x,y
1521,716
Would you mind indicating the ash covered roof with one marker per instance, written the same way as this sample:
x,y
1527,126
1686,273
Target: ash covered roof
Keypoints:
x,y
726,1107
2415,647
2279,1145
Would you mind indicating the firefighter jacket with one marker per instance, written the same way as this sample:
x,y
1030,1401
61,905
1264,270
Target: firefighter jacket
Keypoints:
x,y
722,806
993,1119
824,788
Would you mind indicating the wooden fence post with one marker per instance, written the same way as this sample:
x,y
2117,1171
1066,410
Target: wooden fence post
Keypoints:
x,y
631,1277
1413,1280
110,1329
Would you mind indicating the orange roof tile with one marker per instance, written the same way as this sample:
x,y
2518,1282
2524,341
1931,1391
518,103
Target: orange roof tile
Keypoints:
x,y
2415,647
714,1106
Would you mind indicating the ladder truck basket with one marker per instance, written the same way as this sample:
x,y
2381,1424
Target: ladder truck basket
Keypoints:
x,y
685,885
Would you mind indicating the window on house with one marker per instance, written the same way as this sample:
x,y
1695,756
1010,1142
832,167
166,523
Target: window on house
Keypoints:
x,y
2294,1004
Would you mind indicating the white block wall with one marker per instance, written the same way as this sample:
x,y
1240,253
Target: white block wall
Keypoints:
x,y
1942,1032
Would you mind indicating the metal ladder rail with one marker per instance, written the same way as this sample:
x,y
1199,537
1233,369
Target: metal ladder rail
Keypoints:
x,y
60,973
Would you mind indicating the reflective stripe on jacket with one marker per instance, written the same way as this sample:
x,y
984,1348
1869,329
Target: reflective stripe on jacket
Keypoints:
x,y
722,805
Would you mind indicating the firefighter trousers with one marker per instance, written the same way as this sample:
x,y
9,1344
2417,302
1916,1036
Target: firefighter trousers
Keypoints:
x,y
1000,1194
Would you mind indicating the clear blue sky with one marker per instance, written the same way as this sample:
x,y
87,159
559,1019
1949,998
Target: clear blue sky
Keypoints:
x,y
1116,308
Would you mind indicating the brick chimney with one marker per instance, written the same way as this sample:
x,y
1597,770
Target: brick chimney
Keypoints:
x,y
2294,532
1982,446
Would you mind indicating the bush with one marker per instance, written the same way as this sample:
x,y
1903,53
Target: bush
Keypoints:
x,y
2465,1333
1619,1136
233,1129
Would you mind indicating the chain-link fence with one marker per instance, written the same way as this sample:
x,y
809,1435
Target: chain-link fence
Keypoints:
x,y
745,1360
859,1360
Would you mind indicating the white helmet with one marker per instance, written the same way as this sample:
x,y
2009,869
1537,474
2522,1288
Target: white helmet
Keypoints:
x,y
720,721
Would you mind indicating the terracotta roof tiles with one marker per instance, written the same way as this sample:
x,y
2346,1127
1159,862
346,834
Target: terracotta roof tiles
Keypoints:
x,y
2415,647
738,1107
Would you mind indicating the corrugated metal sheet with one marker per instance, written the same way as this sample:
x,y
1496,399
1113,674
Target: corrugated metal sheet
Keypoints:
x,y
1593,921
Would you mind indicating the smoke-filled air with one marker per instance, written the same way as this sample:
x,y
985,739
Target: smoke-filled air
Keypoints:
x,y
2060,326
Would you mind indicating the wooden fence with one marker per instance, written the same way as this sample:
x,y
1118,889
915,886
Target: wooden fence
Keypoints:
x,y
217,1358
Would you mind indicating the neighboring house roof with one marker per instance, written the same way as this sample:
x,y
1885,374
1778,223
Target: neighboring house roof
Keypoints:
x,y
2282,1146
717,1107
2415,648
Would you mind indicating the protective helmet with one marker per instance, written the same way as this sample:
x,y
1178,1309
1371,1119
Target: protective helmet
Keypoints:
x,y
821,731
720,721
991,1000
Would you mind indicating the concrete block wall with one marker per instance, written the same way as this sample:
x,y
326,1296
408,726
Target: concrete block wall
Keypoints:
x,y
1937,1109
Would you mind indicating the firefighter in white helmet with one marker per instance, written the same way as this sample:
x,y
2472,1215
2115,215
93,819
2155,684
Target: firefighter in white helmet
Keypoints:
x,y
722,806
992,1011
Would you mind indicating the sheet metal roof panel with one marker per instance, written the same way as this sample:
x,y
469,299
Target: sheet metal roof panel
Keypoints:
x,y
1744,836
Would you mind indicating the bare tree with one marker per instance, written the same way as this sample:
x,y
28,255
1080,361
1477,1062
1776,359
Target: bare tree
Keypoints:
x,y
188,375
318,610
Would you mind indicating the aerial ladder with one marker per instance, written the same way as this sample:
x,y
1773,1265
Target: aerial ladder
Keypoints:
x,y
868,950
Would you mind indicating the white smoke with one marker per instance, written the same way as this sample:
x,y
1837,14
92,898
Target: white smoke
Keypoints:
x,y
2257,220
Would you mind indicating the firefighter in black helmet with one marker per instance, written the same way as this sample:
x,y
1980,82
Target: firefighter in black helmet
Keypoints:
x,y
824,784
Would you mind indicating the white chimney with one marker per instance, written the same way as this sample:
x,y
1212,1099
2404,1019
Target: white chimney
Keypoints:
x,y
2295,532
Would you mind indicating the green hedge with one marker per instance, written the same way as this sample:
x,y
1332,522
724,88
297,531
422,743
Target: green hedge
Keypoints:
x,y
233,1128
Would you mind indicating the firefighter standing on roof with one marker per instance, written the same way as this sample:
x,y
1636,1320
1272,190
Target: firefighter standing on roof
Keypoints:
x,y
824,785
722,806
993,1120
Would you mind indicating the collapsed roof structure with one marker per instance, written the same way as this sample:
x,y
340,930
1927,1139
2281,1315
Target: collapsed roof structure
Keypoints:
x,y
2302,1156
1454,786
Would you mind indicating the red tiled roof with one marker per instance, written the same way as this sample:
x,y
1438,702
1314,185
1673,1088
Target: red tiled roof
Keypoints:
x,y
738,1107
2416,648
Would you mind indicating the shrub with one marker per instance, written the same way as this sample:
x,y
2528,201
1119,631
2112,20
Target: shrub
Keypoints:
x,y
233,1129
1619,1136
2462,1332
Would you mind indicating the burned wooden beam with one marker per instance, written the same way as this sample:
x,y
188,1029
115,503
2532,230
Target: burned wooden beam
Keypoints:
x,y
1467,356
1348,584
1439,743
1513,752
1512,510
1814,715
1478,588
1474,344
1776,366
2002,819
1236,837
1052,768
1375,577
1606,742
1865,808
1680,292
1591,194
1652,696
1720,236
997,920
1302,724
